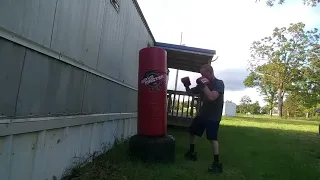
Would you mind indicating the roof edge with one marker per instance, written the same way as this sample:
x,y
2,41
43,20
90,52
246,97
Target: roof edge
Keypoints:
x,y
135,2
207,52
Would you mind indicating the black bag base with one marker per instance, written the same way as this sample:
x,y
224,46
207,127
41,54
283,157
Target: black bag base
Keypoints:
x,y
152,149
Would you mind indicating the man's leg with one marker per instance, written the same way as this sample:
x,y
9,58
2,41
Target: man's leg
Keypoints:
x,y
192,142
196,128
215,148
212,136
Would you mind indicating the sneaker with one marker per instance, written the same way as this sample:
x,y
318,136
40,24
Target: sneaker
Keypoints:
x,y
215,168
191,156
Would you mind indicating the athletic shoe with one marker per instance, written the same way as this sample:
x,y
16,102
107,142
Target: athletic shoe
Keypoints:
x,y
191,156
215,168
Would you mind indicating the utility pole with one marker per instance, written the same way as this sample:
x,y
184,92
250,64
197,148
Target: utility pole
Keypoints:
x,y
177,72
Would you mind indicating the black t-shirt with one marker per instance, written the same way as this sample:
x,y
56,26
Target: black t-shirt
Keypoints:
x,y
211,110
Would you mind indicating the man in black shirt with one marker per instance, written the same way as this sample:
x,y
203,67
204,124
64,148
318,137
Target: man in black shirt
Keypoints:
x,y
211,91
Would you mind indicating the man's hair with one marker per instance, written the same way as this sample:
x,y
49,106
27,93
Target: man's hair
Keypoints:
x,y
207,67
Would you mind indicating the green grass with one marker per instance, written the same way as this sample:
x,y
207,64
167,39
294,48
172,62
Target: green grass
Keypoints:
x,y
251,148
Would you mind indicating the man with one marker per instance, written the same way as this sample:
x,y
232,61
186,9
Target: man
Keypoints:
x,y
208,118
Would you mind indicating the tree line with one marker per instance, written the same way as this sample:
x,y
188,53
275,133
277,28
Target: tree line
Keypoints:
x,y
247,106
285,68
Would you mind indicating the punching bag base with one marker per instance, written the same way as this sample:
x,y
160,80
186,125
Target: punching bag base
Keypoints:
x,y
152,149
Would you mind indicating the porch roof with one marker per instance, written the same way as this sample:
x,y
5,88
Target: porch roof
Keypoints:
x,y
185,57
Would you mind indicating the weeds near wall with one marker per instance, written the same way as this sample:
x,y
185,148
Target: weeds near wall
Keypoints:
x,y
92,159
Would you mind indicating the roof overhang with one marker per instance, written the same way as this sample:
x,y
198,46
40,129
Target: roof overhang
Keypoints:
x,y
186,58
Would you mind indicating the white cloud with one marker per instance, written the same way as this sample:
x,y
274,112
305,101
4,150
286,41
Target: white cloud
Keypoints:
x,y
229,27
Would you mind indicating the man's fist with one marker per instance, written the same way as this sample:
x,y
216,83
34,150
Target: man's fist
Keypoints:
x,y
201,81
186,81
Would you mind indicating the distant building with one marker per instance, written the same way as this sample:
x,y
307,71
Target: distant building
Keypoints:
x,y
229,109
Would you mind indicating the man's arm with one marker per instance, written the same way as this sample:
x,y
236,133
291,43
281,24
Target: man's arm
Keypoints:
x,y
192,91
215,93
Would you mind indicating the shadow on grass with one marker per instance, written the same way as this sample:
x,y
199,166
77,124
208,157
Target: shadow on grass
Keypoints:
x,y
246,152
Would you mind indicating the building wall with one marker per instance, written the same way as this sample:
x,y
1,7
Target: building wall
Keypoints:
x,y
68,75
229,109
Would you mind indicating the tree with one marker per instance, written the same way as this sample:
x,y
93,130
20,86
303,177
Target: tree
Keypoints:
x,y
255,108
245,102
278,60
312,3
265,88
307,90
292,106
264,110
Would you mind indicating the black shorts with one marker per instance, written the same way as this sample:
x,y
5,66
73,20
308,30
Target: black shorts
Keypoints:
x,y
200,124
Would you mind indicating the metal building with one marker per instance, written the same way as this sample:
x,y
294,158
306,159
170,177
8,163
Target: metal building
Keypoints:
x,y
66,89
68,81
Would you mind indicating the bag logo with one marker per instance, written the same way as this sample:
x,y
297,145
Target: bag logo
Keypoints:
x,y
153,80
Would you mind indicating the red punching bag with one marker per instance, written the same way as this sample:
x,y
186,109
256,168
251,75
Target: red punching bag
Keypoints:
x,y
152,92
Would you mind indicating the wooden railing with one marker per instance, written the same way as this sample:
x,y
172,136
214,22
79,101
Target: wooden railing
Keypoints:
x,y
182,105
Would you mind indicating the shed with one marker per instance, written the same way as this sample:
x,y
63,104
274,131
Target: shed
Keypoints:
x,y
229,109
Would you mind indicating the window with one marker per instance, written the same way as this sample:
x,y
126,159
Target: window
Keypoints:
x,y
115,4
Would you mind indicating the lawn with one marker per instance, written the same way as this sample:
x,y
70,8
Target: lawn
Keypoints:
x,y
251,148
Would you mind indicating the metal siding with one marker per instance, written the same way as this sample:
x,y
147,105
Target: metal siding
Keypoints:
x,y
112,132
5,156
112,40
118,98
55,152
96,96
23,150
85,137
119,134
39,162
32,19
77,29
49,87
91,32
96,137
132,101
130,55
49,153
11,63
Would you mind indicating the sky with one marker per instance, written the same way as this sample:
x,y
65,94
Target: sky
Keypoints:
x,y
229,27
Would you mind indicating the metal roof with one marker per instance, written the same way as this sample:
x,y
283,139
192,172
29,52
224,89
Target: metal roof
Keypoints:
x,y
185,57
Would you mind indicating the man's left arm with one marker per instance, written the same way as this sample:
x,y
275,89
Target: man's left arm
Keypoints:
x,y
216,92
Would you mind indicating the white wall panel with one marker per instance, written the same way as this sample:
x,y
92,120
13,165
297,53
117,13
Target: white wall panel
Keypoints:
x,y
49,153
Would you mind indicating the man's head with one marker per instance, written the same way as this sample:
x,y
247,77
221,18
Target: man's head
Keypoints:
x,y
206,71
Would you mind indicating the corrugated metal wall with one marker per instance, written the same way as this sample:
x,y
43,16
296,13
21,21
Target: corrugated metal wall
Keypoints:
x,y
50,153
89,31
36,85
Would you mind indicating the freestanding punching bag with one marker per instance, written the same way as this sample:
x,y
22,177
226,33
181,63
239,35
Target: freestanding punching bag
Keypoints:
x,y
152,92
152,143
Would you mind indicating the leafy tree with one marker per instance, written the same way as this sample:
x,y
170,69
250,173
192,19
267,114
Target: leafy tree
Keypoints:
x,y
312,3
265,88
264,110
278,60
308,88
292,107
255,108
245,104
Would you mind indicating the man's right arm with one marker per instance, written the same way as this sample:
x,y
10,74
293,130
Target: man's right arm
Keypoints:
x,y
192,91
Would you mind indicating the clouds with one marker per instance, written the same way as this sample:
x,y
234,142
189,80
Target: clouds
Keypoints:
x,y
229,27
233,78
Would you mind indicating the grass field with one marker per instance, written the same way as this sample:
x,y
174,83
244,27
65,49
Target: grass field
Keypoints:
x,y
251,148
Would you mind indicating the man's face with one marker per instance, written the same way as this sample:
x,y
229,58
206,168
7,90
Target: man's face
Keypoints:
x,y
206,74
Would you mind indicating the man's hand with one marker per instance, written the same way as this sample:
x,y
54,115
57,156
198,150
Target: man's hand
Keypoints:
x,y
186,81
202,82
